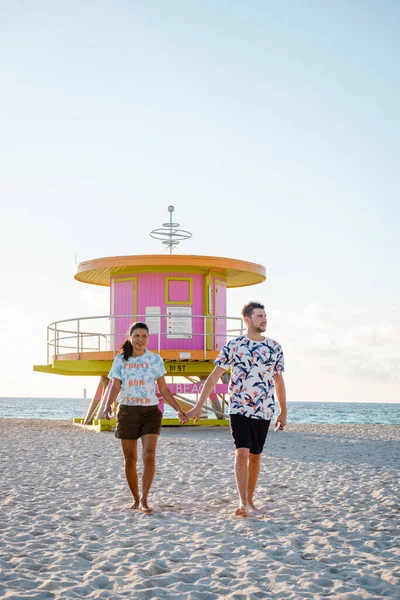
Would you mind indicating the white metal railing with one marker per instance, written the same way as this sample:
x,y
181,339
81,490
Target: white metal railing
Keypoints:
x,y
97,334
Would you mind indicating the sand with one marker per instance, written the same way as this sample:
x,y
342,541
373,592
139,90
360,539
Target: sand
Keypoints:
x,y
330,527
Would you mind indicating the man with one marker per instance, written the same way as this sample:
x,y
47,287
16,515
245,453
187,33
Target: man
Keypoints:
x,y
257,365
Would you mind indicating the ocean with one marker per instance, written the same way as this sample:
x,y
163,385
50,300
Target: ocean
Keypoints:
x,y
298,412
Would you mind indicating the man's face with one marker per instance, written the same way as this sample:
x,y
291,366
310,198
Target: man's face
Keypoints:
x,y
257,321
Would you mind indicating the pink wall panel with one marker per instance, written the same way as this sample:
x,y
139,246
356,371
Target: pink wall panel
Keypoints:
x,y
220,310
123,305
151,292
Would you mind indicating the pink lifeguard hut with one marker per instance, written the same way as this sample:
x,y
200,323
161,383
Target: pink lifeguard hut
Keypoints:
x,y
182,298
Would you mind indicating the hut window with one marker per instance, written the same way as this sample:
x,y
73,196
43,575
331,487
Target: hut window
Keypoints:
x,y
178,290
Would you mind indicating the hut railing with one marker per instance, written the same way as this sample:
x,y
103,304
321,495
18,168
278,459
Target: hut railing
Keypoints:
x,y
74,335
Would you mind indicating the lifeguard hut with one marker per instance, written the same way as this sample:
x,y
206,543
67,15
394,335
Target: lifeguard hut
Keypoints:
x,y
182,298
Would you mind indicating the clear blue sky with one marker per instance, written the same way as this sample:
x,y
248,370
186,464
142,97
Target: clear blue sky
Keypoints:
x,y
273,127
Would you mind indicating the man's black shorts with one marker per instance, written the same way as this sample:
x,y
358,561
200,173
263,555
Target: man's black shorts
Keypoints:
x,y
249,433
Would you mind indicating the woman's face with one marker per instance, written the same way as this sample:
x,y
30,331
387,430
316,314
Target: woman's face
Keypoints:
x,y
139,339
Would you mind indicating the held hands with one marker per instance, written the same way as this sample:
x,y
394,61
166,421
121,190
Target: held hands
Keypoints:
x,y
194,414
183,418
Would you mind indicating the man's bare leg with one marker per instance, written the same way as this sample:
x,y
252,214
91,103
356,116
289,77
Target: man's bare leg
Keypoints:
x,y
254,470
149,443
129,448
242,479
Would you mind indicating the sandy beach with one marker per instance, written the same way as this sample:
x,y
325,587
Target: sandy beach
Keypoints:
x,y
330,528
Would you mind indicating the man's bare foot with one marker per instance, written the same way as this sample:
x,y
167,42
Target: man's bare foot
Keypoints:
x,y
241,511
144,507
135,505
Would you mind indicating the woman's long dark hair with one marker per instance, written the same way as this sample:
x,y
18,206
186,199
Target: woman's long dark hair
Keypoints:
x,y
126,347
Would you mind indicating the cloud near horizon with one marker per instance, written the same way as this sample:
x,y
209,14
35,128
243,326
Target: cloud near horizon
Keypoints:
x,y
363,352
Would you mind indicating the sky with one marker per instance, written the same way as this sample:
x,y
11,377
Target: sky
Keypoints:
x,y
271,126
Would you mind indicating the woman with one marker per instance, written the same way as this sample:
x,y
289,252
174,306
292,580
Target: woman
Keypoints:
x,y
134,373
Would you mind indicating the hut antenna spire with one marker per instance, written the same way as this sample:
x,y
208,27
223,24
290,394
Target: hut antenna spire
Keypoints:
x,y
169,233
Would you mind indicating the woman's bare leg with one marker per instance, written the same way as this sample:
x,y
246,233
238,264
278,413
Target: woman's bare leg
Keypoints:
x,y
149,443
129,448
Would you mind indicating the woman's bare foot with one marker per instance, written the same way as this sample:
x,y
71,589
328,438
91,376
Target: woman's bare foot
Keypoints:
x,y
241,511
144,507
253,507
135,505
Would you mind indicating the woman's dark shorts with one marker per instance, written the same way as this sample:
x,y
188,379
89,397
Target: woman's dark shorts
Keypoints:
x,y
249,433
135,421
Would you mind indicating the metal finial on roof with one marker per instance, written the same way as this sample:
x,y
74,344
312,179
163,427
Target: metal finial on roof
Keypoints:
x,y
169,233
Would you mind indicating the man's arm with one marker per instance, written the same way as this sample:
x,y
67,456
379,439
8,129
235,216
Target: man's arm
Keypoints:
x,y
115,390
209,385
168,397
281,395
